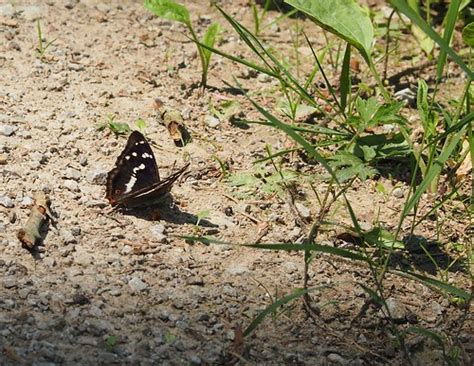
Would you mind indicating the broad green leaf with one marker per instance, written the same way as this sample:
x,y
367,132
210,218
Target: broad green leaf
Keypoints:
x,y
209,39
348,166
344,18
385,147
169,9
389,113
383,239
367,108
468,34
425,42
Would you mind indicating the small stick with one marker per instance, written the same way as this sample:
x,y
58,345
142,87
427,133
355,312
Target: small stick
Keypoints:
x,y
29,235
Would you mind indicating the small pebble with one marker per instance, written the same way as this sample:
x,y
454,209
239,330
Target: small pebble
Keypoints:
x,y
71,185
67,236
303,210
336,358
158,232
397,309
38,157
49,262
398,192
9,282
27,201
136,284
6,201
212,121
71,173
195,280
97,175
7,130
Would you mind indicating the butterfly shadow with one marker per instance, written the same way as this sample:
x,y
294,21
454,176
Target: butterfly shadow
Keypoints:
x,y
167,210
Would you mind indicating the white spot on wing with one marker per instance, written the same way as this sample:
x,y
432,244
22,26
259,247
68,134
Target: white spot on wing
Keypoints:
x,y
130,184
127,157
140,167
146,155
134,153
142,142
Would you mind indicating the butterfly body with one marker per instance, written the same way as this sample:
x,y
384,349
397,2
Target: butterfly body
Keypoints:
x,y
135,180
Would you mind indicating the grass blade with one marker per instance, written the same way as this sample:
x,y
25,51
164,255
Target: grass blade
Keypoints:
x,y
402,6
345,80
273,307
450,19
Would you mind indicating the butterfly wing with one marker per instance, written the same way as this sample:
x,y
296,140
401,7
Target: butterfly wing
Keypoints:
x,y
135,169
151,194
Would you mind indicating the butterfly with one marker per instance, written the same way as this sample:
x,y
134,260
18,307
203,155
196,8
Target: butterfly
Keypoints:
x,y
135,181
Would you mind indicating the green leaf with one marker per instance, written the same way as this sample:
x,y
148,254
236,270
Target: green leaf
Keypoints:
x,y
434,170
426,114
111,341
450,20
385,147
377,299
169,9
389,113
273,307
344,18
345,79
141,124
367,108
425,42
348,166
468,34
383,239
119,128
441,285
345,253
427,333
225,110
209,40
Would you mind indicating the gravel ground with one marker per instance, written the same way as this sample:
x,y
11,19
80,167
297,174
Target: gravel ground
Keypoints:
x,y
122,287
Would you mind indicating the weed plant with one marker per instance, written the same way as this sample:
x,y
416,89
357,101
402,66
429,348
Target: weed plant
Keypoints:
x,y
367,129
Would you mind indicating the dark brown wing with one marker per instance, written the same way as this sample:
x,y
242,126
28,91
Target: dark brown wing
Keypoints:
x,y
151,194
135,169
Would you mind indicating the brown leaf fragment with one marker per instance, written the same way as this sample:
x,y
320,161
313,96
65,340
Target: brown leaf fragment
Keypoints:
x,y
29,235
174,123
238,345
466,165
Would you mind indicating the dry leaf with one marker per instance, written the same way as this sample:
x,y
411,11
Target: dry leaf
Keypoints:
x,y
466,165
